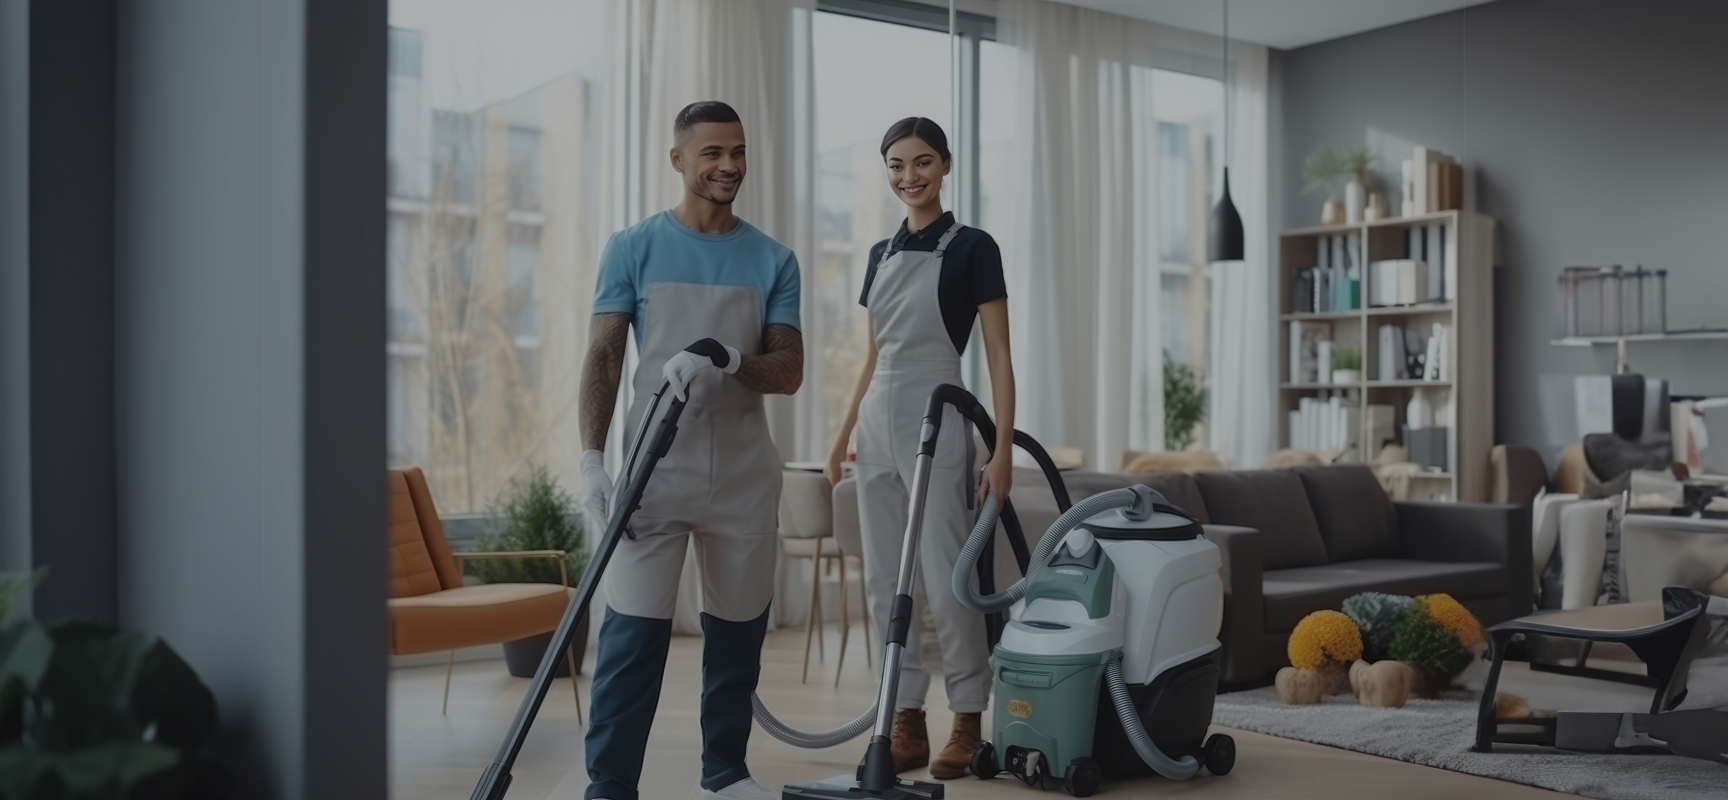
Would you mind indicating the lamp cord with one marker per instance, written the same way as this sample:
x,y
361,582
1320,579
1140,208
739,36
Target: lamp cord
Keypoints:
x,y
1226,59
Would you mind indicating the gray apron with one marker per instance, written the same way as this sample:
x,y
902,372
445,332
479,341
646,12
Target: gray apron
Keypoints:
x,y
914,355
721,479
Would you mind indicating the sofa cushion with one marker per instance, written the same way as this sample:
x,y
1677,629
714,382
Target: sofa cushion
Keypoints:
x,y
1291,594
1356,517
1272,502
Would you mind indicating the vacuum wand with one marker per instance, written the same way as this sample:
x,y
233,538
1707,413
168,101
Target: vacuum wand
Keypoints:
x,y
496,780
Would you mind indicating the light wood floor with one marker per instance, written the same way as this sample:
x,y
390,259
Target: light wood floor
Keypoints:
x,y
438,757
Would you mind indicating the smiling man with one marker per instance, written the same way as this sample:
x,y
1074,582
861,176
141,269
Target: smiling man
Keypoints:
x,y
714,302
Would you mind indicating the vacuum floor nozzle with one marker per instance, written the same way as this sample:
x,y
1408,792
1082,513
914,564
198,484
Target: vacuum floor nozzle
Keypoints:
x,y
845,787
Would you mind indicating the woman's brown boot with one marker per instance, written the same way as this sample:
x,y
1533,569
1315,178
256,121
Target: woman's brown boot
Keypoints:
x,y
911,745
956,756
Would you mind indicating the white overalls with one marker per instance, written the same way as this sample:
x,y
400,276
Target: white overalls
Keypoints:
x,y
720,481
914,355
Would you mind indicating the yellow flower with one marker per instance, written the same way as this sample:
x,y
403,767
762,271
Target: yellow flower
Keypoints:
x,y
1324,636
1453,616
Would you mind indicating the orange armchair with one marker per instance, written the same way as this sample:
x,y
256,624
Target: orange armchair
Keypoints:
x,y
430,609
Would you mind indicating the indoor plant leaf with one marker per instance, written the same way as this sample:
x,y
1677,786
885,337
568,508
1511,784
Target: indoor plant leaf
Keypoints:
x,y
113,767
169,696
26,773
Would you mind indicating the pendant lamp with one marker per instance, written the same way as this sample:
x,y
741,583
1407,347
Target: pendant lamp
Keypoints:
x,y
1224,228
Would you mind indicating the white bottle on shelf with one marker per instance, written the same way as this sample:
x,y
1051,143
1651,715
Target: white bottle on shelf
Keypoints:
x,y
1419,413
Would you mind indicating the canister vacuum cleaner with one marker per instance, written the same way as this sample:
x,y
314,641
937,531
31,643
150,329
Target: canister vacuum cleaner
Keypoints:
x,y
1109,666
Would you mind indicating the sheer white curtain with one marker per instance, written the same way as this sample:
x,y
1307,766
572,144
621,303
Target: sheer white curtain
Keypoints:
x,y
1082,250
755,56
1240,409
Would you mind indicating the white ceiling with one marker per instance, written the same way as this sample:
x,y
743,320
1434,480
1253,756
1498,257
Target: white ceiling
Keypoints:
x,y
1283,24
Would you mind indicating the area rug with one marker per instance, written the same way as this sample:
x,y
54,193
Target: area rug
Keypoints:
x,y
1439,733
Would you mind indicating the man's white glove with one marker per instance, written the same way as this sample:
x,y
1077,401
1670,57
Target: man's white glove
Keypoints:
x,y
596,488
684,366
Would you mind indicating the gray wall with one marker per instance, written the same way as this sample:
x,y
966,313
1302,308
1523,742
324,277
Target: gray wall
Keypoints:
x,y
192,354
1599,135
249,320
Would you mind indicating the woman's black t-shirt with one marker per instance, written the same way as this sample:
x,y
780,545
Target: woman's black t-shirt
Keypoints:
x,y
971,272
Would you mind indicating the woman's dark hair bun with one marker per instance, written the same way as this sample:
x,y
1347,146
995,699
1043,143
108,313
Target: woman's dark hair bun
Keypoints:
x,y
921,127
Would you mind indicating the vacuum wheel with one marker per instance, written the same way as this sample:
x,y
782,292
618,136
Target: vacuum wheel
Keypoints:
x,y
984,762
1082,777
1220,754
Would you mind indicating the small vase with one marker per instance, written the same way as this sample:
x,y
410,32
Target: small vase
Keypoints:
x,y
1353,201
1376,207
1332,213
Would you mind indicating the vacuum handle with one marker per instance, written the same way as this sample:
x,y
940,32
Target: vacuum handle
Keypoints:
x,y
496,780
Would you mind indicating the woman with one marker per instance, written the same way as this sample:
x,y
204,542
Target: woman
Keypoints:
x,y
924,288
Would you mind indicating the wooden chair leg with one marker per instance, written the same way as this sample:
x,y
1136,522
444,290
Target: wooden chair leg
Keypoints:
x,y
816,605
575,685
449,667
845,624
810,616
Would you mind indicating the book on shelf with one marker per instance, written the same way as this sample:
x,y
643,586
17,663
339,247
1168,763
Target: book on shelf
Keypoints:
x,y
1434,252
1433,172
1324,360
1331,423
1305,338
1434,364
1302,291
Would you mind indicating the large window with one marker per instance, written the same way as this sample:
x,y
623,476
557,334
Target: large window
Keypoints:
x,y
491,248
869,74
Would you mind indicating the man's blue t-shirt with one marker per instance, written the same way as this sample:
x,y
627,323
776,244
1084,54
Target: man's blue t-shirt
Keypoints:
x,y
662,249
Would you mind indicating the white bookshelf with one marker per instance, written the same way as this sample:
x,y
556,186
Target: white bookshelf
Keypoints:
x,y
1467,313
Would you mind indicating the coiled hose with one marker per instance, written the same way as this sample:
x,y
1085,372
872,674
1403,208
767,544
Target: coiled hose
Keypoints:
x,y
1176,769
986,528
809,739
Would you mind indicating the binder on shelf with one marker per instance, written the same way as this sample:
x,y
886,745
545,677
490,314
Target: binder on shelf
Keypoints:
x,y
1325,362
1391,351
1434,252
1302,291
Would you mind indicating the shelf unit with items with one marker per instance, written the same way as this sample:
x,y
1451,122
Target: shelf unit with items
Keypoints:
x,y
1411,301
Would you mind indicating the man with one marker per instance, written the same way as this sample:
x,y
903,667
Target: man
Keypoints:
x,y
714,302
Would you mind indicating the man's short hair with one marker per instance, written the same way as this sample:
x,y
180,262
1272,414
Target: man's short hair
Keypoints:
x,y
698,112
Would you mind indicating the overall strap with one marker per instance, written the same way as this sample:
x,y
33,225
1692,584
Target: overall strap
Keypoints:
x,y
948,236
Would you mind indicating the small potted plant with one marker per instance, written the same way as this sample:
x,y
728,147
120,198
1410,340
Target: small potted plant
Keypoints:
x,y
1346,364
1184,404
534,513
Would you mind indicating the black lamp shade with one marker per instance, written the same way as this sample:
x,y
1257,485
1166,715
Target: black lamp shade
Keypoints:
x,y
1224,229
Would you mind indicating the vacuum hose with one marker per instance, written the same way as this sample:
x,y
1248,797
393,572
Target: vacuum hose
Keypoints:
x,y
1177,769
986,528
810,739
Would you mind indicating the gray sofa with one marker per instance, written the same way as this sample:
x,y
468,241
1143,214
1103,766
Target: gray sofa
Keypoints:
x,y
1302,540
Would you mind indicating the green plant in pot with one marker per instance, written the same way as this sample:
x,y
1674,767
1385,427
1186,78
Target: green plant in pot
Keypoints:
x,y
88,710
530,517
1184,403
1346,364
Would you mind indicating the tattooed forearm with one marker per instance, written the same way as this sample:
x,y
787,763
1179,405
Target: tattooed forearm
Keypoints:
x,y
780,368
601,372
